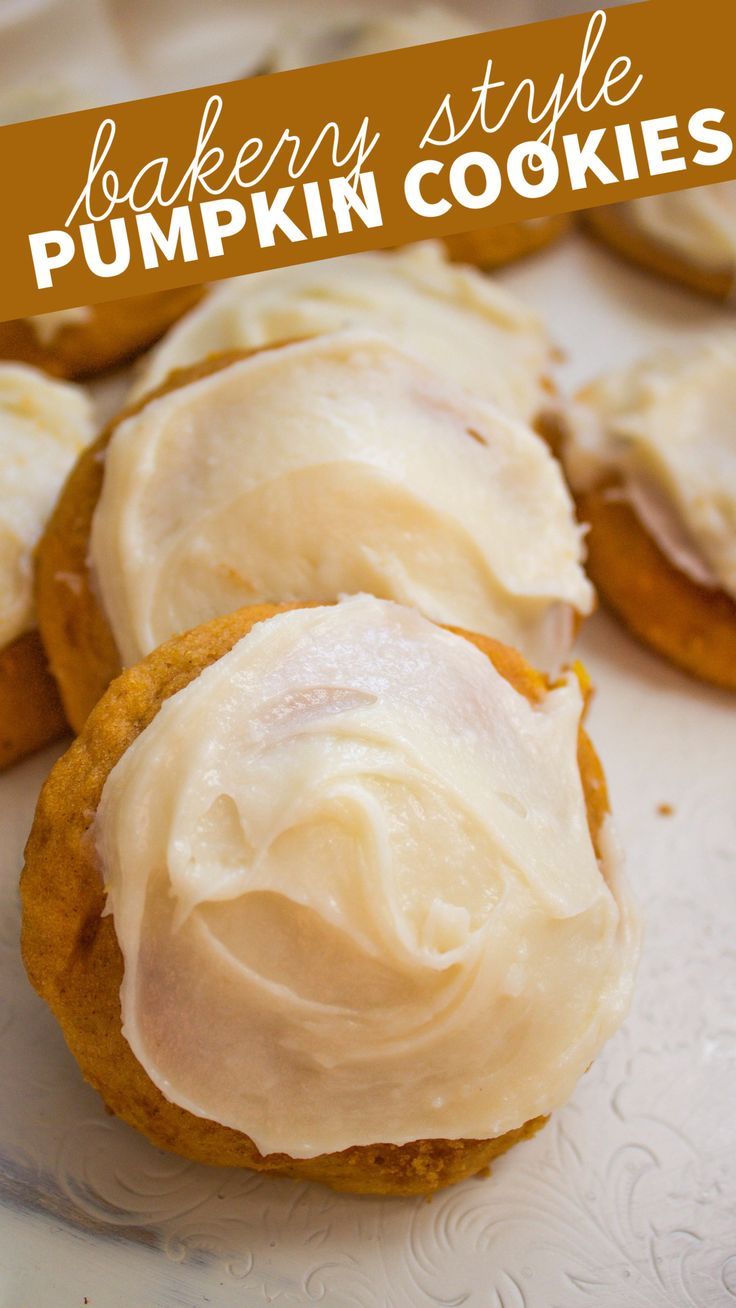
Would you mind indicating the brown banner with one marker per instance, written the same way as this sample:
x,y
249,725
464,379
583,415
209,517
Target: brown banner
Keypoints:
x,y
377,151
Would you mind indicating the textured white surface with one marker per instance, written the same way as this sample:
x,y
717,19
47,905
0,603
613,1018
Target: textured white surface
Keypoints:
x,y
626,1200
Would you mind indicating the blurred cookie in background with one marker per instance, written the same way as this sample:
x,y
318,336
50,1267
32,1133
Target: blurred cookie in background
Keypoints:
x,y
651,458
687,236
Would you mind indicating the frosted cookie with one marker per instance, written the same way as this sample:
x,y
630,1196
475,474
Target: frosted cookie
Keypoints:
x,y
298,474
689,236
331,893
352,32
43,426
463,325
652,460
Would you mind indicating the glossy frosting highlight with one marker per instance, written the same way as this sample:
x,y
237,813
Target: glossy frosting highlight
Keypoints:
x,y
355,891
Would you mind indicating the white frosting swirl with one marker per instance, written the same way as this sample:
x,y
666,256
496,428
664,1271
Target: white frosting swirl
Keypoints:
x,y
43,426
698,224
464,325
666,428
355,891
331,466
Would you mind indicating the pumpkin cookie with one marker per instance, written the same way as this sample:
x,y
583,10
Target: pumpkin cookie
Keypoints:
x,y
285,898
334,465
44,425
687,236
651,458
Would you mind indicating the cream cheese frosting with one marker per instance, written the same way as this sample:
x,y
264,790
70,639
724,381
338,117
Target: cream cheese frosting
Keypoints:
x,y
43,426
457,319
331,466
353,884
698,224
666,430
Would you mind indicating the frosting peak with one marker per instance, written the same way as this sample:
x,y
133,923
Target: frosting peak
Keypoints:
x,y
364,904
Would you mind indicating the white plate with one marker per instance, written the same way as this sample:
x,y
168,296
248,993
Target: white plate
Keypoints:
x,y
626,1200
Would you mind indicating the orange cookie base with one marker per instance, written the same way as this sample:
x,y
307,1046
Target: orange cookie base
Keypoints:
x,y
110,335
72,956
612,227
693,627
31,714
495,246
